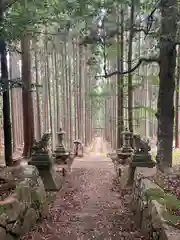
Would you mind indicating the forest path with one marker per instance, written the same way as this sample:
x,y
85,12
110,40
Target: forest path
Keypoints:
x,y
89,206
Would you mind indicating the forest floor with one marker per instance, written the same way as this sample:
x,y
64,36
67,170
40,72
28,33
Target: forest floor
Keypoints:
x,y
90,205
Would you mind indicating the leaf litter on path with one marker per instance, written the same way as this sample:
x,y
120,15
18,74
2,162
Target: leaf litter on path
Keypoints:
x,y
90,206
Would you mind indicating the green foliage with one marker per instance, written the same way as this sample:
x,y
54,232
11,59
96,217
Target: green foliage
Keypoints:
x,y
74,18
112,51
154,80
96,99
26,16
155,194
148,109
169,202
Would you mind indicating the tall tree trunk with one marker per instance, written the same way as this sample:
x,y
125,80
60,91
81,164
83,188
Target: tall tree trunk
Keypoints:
x,y
130,88
66,93
49,95
57,92
80,93
6,106
45,92
120,83
6,99
37,94
63,92
165,105
75,88
70,97
177,103
28,119
13,75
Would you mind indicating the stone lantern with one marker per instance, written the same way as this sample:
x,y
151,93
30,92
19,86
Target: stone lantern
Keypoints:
x,y
61,154
126,150
77,145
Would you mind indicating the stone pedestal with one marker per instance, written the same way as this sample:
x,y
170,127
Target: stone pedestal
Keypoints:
x,y
44,164
42,160
139,159
61,155
142,160
123,155
122,172
113,156
51,179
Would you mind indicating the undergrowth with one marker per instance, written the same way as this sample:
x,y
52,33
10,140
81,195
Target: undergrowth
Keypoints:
x,y
170,203
176,156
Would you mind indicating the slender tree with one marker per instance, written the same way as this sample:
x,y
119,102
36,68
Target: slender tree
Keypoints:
x,y
28,118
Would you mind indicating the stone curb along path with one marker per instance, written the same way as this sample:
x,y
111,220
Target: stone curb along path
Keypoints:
x,y
24,206
148,211
89,206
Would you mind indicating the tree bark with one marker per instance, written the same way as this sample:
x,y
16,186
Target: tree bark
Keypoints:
x,y
6,106
12,75
165,105
28,119
130,90
38,123
177,103
120,55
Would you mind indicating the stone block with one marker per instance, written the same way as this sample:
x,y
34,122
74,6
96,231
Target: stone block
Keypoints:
x,y
21,210
29,192
138,214
51,179
3,219
2,233
144,186
146,226
30,219
19,173
156,211
23,191
148,212
10,237
41,160
144,172
10,209
5,236
169,233
38,193
123,179
30,171
14,228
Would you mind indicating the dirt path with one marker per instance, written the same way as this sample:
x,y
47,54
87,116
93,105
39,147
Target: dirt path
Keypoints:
x,y
89,206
